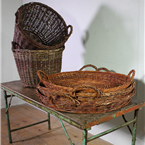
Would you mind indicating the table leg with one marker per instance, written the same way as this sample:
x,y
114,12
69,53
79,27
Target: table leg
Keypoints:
x,y
85,133
7,116
66,132
123,116
134,127
49,126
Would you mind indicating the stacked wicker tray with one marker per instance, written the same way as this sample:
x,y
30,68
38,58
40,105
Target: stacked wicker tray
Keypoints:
x,y
39,40
86,91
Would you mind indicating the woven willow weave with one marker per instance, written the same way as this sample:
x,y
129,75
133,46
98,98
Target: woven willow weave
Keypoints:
x,y
37,26
86,91
29,61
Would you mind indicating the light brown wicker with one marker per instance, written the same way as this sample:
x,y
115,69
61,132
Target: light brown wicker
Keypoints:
x,y
86,91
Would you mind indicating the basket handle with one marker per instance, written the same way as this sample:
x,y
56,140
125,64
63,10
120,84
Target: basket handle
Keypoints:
x,y
40,73
79,88
131,74
15,46
97,69
88,65
103,68
17,17
70,32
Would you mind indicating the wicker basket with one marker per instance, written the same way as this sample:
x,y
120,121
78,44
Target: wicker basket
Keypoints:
x,y
86,91
29,61
38,26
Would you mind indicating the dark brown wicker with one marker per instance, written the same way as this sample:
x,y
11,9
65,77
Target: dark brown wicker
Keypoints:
x,y
37,26
29,61
86,91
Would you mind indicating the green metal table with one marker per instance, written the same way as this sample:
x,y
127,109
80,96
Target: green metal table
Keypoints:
x,y
81,121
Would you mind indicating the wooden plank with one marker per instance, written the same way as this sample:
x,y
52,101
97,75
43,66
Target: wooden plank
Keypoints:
x,y
4,140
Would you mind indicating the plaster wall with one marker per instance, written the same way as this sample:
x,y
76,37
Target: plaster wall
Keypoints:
x,y
106,33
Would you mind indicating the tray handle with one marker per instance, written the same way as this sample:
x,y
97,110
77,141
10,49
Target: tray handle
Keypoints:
x,y
88,65
97,69
103,68
79,88
131,74
40,74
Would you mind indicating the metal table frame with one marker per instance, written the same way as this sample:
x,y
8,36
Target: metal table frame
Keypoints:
x,y
86,120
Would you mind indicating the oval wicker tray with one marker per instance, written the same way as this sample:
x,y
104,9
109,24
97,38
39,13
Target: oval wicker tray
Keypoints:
x,y
86,91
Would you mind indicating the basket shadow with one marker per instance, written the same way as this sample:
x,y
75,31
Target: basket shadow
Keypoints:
x,y
108,44
43,135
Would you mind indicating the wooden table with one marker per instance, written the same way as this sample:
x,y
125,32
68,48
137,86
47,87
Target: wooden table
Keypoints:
x,y
81,121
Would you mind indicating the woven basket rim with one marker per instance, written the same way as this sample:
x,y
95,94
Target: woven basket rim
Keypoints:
x,y
34,51
52,77
43,5
49,78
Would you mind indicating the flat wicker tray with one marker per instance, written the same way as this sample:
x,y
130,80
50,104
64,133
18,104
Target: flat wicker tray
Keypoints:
x,y
86,91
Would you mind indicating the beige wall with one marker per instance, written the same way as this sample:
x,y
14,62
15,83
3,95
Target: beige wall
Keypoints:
x,y
8,67
115,41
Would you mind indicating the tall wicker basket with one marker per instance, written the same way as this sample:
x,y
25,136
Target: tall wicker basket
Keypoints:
x,y
29,61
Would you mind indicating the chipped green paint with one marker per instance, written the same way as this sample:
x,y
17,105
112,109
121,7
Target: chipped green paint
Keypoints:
x,y
60,116
8,120
114,115
7,117
14,94
134,134
110,130
49,126
66,132
44,108
29,125
134,127
85,133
